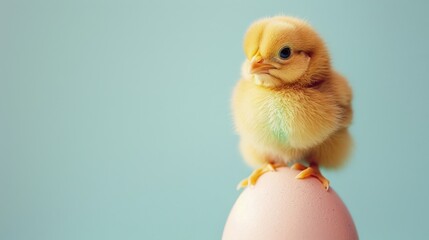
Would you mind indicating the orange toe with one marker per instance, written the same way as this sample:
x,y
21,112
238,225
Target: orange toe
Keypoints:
x,y
298,166
253,178
313,171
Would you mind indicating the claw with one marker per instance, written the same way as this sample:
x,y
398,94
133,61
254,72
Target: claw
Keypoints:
x,y
298,166
313,171
253,178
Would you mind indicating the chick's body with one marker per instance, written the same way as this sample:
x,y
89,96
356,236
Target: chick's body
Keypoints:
x,y
289,104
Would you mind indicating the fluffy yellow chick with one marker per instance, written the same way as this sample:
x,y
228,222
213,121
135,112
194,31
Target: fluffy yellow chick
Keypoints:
x,y
290,105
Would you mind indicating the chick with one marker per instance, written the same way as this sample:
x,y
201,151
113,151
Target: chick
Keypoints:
x,y
290,106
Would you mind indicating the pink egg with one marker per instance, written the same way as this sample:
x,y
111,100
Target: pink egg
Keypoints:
x,y
281,207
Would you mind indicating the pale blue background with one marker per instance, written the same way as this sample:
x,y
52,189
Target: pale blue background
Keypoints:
x,y
115,118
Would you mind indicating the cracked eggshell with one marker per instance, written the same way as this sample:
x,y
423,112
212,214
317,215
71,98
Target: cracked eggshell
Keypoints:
x,y
282,207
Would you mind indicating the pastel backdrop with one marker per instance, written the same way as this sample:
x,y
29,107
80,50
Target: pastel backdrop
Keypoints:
x,y
115,120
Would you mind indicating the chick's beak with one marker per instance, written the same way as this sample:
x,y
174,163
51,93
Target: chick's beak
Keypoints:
x,y
257,66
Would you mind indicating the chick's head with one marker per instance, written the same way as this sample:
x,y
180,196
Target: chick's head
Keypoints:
x,y
284,50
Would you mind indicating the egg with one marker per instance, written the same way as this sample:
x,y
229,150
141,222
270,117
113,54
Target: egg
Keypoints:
x,y
282,207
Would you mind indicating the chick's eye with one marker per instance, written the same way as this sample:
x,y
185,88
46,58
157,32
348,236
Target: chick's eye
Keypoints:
x,y
285,53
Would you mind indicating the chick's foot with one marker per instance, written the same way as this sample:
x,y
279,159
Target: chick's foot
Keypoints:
x,y
253,178
311,171
298,166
